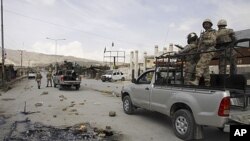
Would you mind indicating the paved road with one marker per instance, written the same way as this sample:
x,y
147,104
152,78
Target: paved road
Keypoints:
x,y
90,106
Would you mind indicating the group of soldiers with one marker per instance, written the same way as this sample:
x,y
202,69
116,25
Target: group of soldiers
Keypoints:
x,y
209,41
39,78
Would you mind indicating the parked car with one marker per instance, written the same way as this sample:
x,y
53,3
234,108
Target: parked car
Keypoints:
x,y
113,75
31,74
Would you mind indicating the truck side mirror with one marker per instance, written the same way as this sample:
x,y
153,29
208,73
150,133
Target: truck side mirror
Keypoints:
x,y
133,80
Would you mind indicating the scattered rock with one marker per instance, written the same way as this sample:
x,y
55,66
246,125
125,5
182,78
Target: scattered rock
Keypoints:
x,y
54,116
39,104
102,135
96,103
81,103
112,113
76,113
64,109
72,102
108,127
0,94
72,105
8,99
2,120
83,128
45,93
73,110
61,99
49,105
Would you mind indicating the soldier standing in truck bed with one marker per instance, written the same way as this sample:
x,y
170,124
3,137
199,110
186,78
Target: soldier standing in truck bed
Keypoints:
x,y
225,37
190,60
207,43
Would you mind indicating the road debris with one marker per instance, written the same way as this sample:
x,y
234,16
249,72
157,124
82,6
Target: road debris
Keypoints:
x,y
73,110
2,120
63,97
39,104
8,99
27,113
81,103
54,116
112,113
26,130
45,93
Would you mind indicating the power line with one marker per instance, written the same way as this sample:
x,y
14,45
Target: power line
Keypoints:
x,y
67,27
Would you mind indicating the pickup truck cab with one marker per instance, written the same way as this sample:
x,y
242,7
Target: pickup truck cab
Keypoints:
x,y
191,108
66,79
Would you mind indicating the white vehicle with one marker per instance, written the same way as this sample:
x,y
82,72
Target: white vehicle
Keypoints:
x,y
112,75
31,74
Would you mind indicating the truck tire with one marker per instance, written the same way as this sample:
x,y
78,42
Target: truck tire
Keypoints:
x,y
60,87
128,106
183,124
54,85
77,87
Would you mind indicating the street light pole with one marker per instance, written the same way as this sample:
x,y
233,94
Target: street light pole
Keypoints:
x,y
55,47
3,52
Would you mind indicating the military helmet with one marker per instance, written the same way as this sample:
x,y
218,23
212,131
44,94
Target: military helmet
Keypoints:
x,y
207,21
191,37
222,22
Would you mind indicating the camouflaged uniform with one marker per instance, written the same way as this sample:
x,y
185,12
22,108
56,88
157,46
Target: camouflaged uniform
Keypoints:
x,y
49,79
225,37
191,61
38,79
207,43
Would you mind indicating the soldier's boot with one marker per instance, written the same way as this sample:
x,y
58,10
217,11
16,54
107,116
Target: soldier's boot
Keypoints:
x,y
195,82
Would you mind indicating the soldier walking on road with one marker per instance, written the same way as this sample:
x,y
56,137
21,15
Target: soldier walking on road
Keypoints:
x,y
225,38
38,79
49,78
207,43
190,60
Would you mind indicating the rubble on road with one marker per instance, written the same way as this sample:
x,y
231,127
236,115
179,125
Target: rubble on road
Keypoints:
x,y
39,104
45,93
112,113
8,99
26,130
63,97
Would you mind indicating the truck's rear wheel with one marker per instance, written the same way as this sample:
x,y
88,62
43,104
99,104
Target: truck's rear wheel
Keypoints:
x,y
128,106
184,124
77,87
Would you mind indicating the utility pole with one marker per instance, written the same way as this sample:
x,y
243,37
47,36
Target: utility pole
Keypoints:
x,y
3,52
21,53
55,48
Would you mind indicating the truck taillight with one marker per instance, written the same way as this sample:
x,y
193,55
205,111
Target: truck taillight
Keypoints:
x,y
62,77
224,108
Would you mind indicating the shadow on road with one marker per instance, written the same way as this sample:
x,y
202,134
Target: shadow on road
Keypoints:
x,y
210,133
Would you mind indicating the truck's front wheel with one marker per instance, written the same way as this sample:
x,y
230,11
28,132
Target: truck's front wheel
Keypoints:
x,y
184,124
128,107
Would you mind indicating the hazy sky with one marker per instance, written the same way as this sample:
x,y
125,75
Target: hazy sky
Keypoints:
x,y
90,25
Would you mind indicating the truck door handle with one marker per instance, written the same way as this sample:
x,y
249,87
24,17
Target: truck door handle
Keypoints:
x,y
147,88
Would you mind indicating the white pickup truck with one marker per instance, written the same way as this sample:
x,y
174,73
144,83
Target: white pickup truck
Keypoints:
x,y
191,108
